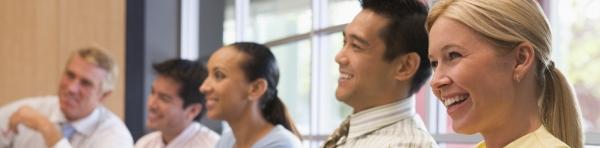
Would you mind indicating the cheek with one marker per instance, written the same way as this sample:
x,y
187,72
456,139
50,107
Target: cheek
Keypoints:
x,y
488,87
224,94
232,102
174,113
90,99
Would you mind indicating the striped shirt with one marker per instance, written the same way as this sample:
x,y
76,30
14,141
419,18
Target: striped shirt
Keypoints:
x,y
391,125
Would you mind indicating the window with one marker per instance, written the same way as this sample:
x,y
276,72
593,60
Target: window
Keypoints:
x,y
576,30
304,35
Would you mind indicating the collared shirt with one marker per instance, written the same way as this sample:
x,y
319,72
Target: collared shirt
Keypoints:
x,y
390,125
540,138
100,129
195,135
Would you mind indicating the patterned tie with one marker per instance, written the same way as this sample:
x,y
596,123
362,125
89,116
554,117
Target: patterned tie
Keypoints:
x,y
342,131
68,130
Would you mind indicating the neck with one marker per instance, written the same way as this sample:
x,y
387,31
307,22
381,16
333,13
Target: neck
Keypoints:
x,y
249,127
73,119
379,101
518,122
171,133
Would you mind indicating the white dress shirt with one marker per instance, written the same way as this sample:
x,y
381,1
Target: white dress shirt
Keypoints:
x,y
195,135
391,125
100,129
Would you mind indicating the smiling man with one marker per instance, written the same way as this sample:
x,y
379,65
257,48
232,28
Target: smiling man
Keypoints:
x,y
74,118
174,106
382,64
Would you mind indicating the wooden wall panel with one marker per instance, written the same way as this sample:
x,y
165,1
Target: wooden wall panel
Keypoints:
x,y
99,23
28,48
37,36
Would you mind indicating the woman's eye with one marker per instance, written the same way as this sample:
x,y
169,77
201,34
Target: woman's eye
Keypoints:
x,y
434,64
454,55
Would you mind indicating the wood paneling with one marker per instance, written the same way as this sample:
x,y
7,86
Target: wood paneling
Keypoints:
x,y
37,36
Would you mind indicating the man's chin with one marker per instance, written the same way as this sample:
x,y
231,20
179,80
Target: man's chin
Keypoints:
x,y
70,117
151,126
341,95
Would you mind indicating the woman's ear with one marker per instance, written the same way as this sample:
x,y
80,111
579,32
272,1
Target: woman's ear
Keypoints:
x,y
257,89
406,66
525,57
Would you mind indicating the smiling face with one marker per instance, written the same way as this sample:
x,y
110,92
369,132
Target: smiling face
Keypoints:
x,y
80,88
165,106
226,89
364,74
471,77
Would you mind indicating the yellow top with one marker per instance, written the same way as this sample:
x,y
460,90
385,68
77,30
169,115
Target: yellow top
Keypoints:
x,y
539,138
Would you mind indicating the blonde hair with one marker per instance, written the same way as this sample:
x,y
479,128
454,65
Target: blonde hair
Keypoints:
x,y
506,24
104,61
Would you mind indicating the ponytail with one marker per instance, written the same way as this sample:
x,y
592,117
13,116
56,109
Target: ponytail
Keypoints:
x,y
275,112
261,64
559,108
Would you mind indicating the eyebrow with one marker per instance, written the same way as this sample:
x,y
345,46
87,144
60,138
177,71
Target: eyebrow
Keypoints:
x,y
446,47
82,78
219,68
160,93
355,37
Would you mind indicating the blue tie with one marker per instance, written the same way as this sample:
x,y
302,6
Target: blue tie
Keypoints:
x,y
68,130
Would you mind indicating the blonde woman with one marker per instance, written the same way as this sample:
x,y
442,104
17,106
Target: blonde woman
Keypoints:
x,y
492,70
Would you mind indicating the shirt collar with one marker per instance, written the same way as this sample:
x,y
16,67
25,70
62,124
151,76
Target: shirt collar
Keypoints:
x,y
87,125
186,134
84,126
378,117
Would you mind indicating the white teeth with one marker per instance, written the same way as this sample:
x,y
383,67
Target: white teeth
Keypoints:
x,y
450,101
345,76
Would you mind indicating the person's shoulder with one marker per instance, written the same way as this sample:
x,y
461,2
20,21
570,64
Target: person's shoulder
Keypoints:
x,y
539,138
204,136
147,139
279,137
226,140
204,131
405,133
47,105
111,125
108,119
408,126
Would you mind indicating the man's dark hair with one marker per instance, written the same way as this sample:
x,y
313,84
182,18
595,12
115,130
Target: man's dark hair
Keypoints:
x,y
190,75
405,33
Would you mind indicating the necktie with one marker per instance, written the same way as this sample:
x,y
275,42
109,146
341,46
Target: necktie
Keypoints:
x,y
342,131
68,130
